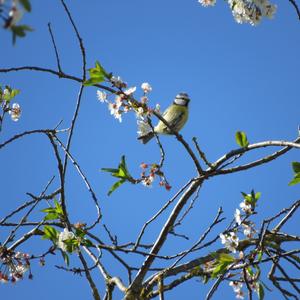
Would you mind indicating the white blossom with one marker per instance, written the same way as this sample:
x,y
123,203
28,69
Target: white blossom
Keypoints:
x,y
102,96
63,236
251,11
248,231
144,99
147,181
114,108
237,288
246,207
15,15
206,3
230,241
237,217
19,270
15,112
130,91
117,82
146,87
240,295
140,113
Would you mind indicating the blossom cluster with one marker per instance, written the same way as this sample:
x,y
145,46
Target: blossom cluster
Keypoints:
x,y
247,11
237,288
252,282
230,240
123,101
153,171
13,265
14,109
63,236
14,13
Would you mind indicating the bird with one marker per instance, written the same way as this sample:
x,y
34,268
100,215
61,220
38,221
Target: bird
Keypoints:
x,y
176,115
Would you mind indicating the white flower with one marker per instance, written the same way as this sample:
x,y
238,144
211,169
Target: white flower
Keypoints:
x,y
130,91
117,82
246,207
240,295
20,269
114,108
248,231
230,241
144,99
251,11
147,181
15,16
140,113
63,236
143,128
6,92
15,112
146,87
102,96
206,3
237,286
237,217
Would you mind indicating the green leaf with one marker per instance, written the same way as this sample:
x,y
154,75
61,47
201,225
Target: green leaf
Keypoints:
x,y
115,186
87,243
219,269
19,31
65,257
223,257
247,197
110,170
97,75
296,166
26,4
50,216
296,180
250,271
122,171
241,139
14,93
58,207
93,81
257,195
261,292
48,210
260,255
50,233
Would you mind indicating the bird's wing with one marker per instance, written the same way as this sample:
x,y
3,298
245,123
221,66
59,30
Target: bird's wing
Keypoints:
x,y
176,119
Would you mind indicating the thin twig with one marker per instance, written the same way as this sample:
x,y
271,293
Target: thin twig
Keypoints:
x,y
55,48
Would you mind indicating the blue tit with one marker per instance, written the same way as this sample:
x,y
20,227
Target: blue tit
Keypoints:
x,y
176,115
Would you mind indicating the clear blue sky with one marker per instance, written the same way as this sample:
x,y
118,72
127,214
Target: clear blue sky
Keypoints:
x,y
239,77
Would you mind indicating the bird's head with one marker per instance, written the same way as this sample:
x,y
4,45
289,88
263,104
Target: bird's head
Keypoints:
x,y
182,99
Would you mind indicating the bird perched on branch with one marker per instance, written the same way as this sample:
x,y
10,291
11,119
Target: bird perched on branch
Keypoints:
x,y
176,115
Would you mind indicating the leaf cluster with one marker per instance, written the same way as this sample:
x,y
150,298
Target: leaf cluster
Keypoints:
x,y
296,169
121,172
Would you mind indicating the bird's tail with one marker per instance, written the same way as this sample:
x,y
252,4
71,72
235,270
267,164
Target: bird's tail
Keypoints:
x,y
146,138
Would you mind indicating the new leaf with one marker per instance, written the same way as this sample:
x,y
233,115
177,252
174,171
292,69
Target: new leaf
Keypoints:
x,y
241,139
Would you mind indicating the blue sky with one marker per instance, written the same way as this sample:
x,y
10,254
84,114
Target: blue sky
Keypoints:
x,y
239,77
